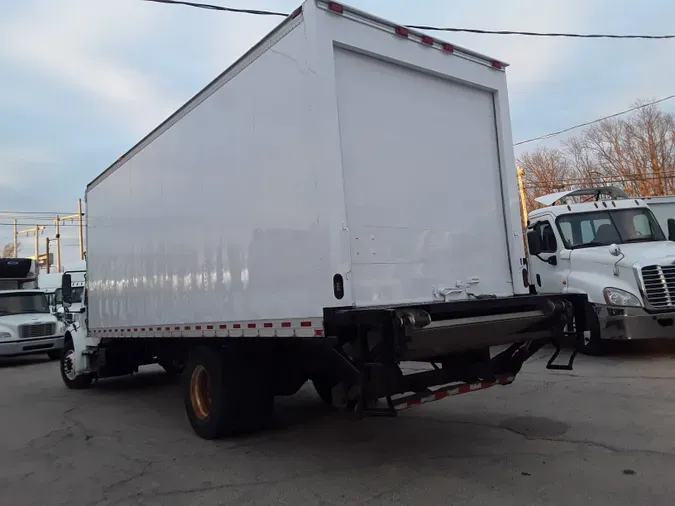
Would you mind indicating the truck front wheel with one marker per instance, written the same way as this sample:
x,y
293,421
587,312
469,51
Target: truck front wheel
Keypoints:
x,y
225,394
70,378
591,343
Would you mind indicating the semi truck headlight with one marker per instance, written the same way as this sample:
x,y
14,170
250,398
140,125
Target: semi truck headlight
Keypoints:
x,y
5,335
620,298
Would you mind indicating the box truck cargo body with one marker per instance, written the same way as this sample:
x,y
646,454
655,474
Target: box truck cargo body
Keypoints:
x,y
342,198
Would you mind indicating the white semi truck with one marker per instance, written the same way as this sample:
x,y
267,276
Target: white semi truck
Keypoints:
x,y
340,200
27,326
600,242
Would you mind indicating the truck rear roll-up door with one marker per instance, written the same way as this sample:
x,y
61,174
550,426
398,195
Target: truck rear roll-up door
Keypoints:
x,y
422,182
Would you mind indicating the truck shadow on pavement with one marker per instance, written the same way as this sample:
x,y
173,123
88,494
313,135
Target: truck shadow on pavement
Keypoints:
x,y
7,362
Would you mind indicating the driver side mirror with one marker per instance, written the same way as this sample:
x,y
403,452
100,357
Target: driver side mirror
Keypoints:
x,y
671,229
533,242
66,290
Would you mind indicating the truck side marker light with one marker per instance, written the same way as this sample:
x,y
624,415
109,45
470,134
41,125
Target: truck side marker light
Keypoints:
x,y
402,31
335,7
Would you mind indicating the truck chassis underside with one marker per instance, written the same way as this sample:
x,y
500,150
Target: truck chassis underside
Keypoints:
x,y
362,358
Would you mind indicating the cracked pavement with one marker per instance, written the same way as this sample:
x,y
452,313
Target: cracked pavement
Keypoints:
x,y
602,434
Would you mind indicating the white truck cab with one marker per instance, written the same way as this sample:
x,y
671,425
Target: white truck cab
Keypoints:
x,y
611,248
27,326
51,285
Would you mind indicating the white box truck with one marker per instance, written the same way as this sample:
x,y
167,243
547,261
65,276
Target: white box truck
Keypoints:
x,y
27,326
340,200
663,207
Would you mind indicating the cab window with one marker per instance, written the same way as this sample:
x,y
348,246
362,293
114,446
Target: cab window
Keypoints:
x,y
547,238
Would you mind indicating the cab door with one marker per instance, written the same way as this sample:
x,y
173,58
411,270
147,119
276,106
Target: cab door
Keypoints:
x,y
549,261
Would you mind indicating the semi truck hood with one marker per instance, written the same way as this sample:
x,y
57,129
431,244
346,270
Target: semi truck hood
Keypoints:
x,y
15,320
644,253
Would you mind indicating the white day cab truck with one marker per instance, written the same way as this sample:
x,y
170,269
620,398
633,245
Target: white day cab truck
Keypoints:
x,y
51,283
611,248
27,326
304,218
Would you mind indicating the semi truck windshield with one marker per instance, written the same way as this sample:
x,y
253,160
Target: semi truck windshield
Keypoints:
x,y
602,228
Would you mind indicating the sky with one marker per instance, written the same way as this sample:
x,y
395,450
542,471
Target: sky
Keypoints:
x,y
81,81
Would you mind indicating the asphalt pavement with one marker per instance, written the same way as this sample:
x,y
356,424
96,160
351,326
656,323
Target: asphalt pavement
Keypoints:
x,y
601,435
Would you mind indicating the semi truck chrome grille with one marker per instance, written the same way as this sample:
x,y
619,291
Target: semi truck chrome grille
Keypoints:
x,y
659,282
37,330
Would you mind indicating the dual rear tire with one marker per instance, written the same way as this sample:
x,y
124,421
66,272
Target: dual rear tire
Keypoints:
x,y
226,393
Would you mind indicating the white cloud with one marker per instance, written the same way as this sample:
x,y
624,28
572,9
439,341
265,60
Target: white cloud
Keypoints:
x,y
533,60
62,40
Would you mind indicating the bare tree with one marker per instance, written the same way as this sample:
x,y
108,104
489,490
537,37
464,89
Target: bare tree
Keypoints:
x,y
546,171
8,250
636,153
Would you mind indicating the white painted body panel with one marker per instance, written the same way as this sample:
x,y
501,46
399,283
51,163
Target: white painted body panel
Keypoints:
x,y
244,206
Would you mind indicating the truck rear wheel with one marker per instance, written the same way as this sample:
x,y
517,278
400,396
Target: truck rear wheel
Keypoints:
x,y
225,394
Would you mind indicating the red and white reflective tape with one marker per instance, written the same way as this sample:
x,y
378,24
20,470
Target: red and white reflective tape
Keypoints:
x,y
259,328
442,393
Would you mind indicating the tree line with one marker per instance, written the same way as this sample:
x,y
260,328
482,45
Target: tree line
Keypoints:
x,y
635,153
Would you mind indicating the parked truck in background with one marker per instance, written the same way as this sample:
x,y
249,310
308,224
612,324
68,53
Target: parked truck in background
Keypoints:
x,y
663,208
312,215
611,248
27,327
51,283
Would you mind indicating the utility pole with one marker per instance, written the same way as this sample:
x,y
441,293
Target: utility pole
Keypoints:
x,y
80,231
47,251
521,191
36,230
57,222
16,241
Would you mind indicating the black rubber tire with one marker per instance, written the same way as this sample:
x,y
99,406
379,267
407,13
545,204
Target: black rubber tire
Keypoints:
x,y
79,382
54,354
241,398
324,389
593,346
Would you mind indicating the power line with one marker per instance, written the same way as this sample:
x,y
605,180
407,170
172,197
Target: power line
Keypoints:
x,y
581,125
42,213
432,28
220,8
40,224
543,34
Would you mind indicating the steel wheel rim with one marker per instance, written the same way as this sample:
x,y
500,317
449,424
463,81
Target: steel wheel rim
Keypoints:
x,y
200,392
69,366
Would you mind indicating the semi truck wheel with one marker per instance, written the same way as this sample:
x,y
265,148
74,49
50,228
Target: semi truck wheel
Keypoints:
x,y
591,343
68,375
324,389
225,394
